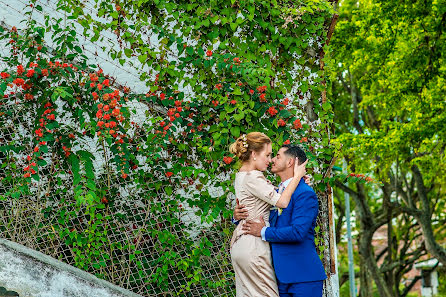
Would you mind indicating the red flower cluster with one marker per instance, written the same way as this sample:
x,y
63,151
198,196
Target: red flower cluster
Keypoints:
x,y
261,89
285,101
169,174
262,98
227,160
49,115
218,86
93,77
297,124
173,113
361,176
272,111
63,65
29,96
281,123
29,168
67,151
209,53
4,75
20,70
30,73
39,132
286,142
18,82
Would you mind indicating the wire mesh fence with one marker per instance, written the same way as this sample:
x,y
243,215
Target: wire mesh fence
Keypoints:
x,y
135,235
126,249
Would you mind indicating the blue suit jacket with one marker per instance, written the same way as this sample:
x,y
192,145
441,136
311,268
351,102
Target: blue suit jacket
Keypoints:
x,y
292,238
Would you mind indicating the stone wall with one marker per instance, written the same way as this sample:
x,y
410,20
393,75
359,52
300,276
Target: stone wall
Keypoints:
x,y
30,273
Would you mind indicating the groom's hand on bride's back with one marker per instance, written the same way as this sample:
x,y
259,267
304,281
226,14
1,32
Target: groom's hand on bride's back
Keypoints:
x,y
240,212
254,227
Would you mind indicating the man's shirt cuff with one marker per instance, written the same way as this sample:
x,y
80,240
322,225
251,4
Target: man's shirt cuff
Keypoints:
x,y
262,233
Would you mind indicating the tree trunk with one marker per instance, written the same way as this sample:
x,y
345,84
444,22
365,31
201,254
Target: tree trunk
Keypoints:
x,y
425,221
365,281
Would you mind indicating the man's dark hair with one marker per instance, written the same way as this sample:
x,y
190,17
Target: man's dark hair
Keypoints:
x,y
296,152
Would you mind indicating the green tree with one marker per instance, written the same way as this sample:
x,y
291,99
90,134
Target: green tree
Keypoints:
x,y
387,73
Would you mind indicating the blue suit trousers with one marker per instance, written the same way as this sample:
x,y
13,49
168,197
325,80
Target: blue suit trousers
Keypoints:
x,y
305,289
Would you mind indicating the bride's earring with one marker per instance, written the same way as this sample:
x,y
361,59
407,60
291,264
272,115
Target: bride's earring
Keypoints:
x,y
255,159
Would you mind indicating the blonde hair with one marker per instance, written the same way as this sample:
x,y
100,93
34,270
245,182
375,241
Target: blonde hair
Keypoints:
x,y
245,144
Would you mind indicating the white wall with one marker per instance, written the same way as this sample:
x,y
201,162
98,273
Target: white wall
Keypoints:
x,y
12,13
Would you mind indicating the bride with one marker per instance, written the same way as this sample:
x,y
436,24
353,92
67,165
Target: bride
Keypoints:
x,y
250,255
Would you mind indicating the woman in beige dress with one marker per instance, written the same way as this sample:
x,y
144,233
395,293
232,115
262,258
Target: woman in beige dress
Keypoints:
x,y
250,255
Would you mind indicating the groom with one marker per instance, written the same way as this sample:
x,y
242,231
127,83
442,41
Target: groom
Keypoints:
x,y
299,270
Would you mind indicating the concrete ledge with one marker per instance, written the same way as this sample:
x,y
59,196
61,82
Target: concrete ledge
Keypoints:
x,y
31,273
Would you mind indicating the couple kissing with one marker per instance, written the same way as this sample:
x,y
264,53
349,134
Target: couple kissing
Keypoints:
x,y
272,247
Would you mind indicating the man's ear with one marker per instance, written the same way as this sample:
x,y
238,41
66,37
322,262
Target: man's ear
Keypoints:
x,y
290,162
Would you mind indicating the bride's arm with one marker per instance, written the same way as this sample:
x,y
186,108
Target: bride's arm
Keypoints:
x,y
256,184
299,172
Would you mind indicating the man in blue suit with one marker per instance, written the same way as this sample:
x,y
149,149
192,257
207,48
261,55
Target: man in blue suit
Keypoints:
x,y
299,270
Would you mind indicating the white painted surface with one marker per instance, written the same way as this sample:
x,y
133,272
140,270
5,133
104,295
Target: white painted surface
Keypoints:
x,y
433,289
33,274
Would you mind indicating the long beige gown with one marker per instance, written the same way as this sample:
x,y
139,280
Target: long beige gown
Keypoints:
x,y
250,255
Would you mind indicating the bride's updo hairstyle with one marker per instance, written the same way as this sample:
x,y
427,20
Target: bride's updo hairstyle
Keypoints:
x,y
245,144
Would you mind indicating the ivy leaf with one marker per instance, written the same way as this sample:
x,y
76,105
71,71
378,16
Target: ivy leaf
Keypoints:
x,y
326,106
304,86
75,168
239,116
142,58
285,113
235,131
128,52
